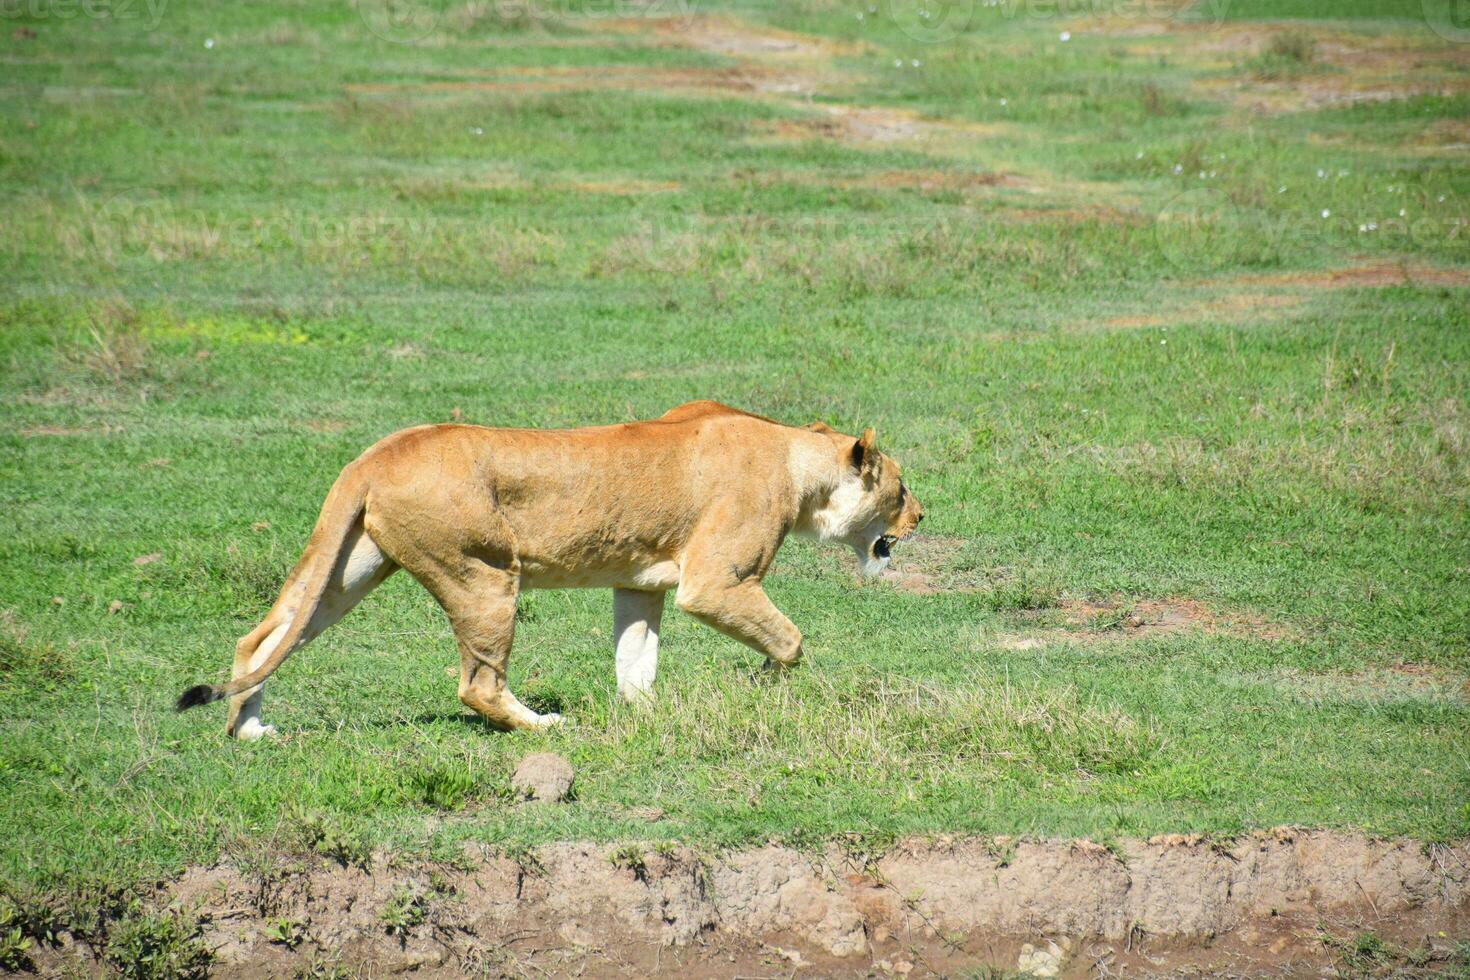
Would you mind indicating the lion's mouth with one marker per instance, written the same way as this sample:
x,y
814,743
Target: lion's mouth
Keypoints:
x,y
882,547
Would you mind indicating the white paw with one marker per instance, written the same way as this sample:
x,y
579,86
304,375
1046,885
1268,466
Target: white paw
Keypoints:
x,y
549,720
251,729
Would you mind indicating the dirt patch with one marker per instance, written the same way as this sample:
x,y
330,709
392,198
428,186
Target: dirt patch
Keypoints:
x,y
735,38
1262,902
61,431
1372,275
860,125
595,78
1163,616
925,564
1088,620
1445,135
923,180
1344,67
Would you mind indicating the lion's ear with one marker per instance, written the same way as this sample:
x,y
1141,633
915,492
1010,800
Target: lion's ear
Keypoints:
x,y
865,455
821,427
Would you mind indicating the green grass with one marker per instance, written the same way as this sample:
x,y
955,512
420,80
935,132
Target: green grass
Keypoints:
x,y
225,271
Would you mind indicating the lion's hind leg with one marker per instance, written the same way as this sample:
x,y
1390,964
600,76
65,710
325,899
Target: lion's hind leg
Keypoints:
x,y
470,567
484,619
360,568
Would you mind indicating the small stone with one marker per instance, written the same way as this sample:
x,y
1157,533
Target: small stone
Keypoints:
x,y
544,777
114,607
1041,962
903,967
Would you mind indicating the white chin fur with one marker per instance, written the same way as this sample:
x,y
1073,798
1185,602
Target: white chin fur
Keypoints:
x,y
869,566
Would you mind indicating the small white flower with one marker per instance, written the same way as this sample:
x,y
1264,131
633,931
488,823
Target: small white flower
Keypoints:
x,y
1065,36
1212,174
1201,175
1162,342
898,62
1362,228
1372,226
1138,155
1281,189
1440,199
1321,173
1326,213
1002,101
860,15
478,131
1403,212
915,62
1178,168
208,42
1222,156
872,8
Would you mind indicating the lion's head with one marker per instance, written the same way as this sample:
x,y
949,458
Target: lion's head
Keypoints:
x,y
869,508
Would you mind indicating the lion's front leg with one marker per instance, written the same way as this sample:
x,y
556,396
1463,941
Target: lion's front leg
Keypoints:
x,y
636,618
741,610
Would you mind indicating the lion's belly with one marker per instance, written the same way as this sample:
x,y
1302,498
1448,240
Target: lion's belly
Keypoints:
x,y
651,576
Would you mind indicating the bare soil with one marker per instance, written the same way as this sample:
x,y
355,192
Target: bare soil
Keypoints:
x,y
1268,902
1368,275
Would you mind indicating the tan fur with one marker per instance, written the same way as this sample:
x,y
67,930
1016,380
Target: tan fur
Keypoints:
x,y
697,501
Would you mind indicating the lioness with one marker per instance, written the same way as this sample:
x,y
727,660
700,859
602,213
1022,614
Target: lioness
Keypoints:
x,y
697,500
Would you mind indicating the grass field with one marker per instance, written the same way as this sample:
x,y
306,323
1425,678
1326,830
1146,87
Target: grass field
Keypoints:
x,y
1164,312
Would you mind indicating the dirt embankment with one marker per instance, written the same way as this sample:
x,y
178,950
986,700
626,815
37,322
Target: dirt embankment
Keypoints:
x,y
1267,901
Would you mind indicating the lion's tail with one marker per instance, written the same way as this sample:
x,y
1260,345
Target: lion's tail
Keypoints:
x,y
340,513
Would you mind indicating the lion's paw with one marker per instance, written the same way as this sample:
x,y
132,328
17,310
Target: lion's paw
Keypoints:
x,y
252,730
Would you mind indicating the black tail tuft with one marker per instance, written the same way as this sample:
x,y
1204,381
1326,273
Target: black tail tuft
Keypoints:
x,y
195,696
